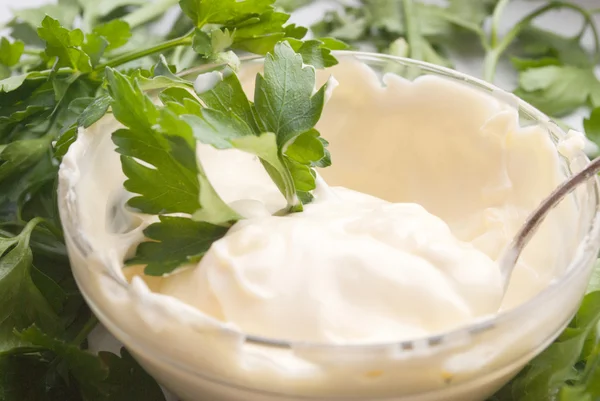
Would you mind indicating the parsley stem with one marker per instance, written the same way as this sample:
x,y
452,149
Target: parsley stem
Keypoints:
x,y
33,52
490,64
496,17
125,58
176,57
32,349
47,73
31,224
413,35
26,232
148,12
86,330
24,62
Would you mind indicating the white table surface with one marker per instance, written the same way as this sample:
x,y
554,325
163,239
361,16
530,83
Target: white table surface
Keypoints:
x,y
563,22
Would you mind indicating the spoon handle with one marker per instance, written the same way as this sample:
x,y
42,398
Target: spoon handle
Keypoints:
x,y
521,239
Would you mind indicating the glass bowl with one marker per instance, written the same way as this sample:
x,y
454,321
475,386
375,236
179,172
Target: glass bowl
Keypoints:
x,y
198,362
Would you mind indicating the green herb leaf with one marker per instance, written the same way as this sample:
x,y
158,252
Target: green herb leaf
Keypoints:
x,y
559,90
212,208
550,371
540,43
94,111
65,12
127,381
236,122
64,44
284,98
130,105
86,367
160,76
227,96
204,12
31,377
95,11
216,128
262,34
349,25
102,377
169,186
315,52
475,12
308,148
14,82
106,37
10,53
176,241
210,44
22,303
291,5
18,156
523,64
116,33
591,126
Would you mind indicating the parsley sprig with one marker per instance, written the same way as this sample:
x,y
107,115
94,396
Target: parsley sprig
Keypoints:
x,y
278,128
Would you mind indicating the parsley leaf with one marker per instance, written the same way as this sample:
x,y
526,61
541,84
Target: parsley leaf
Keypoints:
x,y
169,186
115,32
283,97
11,83
22,303
559,90
104,38
260,34
65,12
212,43
93,111
592,126
159,77
308,148
179,241
102,377
170,179
317,52
127,381
18,156
539,43
64,44
291,5
130,105
227,96
553,368
10,53
204,12
232,120
86,367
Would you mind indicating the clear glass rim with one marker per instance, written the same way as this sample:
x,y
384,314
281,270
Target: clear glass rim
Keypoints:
x,y
589,244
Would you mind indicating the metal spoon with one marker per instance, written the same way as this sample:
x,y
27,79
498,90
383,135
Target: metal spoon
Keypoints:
x,y
521,239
